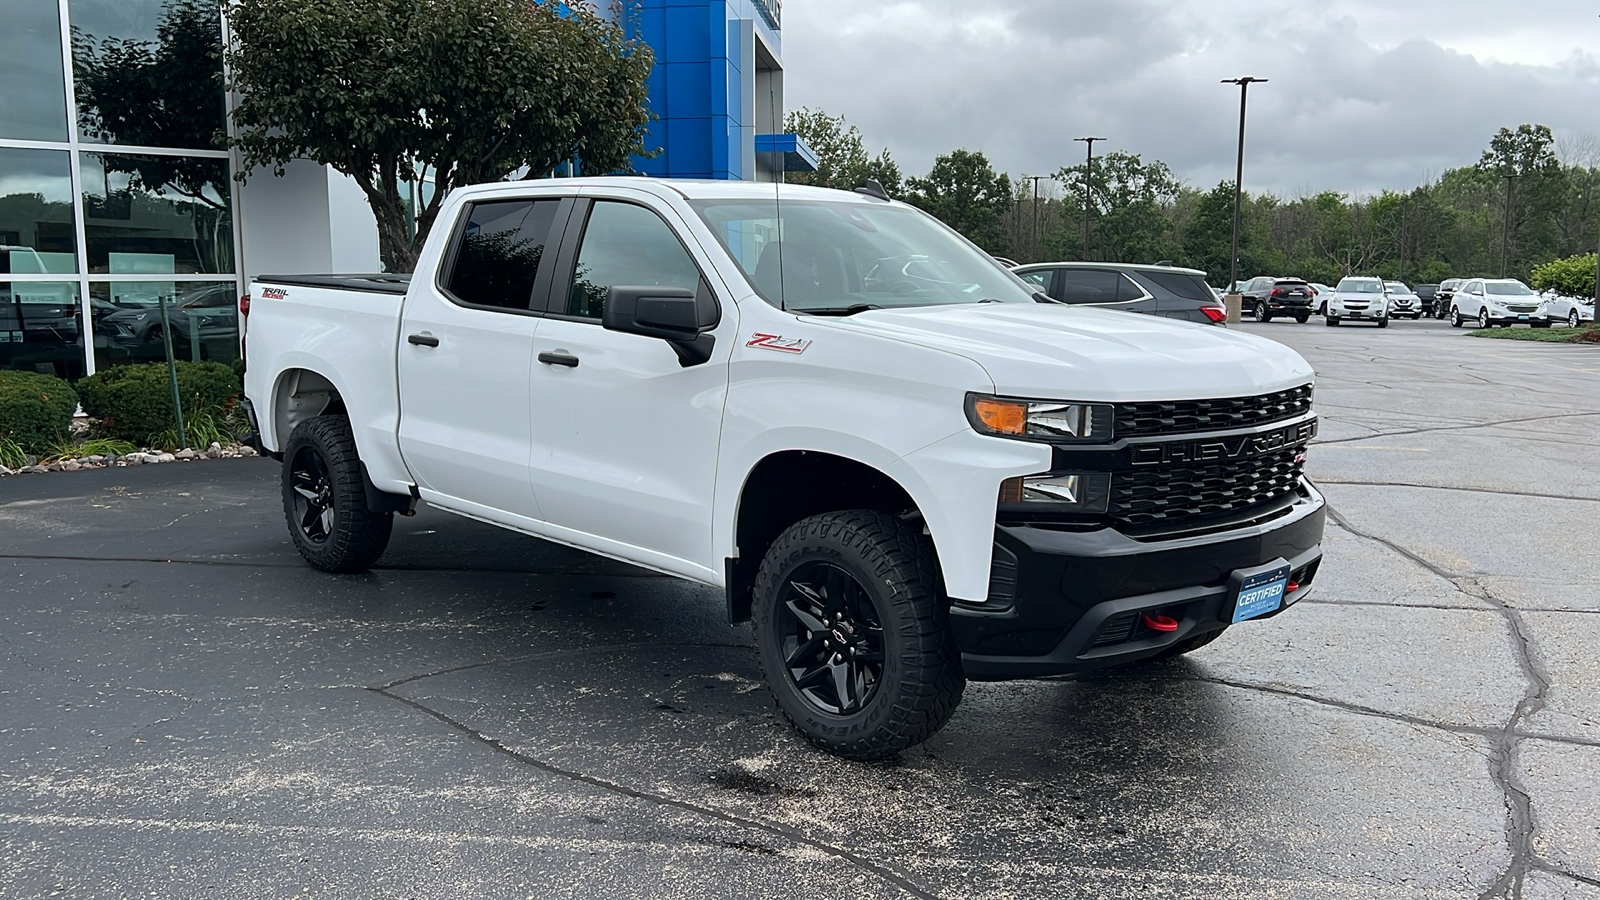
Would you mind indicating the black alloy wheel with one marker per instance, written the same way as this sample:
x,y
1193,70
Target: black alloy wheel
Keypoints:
x,y
852,630
312,484
325,498
832,638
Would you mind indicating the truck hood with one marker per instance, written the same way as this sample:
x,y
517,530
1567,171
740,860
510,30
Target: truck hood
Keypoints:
x,y
1058,352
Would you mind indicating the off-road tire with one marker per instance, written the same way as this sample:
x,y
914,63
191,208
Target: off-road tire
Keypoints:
x,y
894,564
357,536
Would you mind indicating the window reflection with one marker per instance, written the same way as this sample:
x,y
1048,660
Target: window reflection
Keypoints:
x,y
36,230
148,72
39,328
202,318
33,106
157,214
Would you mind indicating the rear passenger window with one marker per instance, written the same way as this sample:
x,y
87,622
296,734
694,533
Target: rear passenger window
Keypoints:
x,y
626,245
1127,290
1089,286
498,258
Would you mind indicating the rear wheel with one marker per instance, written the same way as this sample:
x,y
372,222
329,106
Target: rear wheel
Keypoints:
x,y
851,629
325,498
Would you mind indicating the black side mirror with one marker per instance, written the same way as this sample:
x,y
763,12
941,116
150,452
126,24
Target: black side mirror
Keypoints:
x,y
670,313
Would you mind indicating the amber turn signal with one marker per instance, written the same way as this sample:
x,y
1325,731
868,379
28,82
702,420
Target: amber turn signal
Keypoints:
x,y
1001,416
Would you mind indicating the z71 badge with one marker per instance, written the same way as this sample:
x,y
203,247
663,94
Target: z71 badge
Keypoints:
x,y
778,342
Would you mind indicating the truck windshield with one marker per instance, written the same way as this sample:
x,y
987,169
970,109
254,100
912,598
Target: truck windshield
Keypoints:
x,y
840,258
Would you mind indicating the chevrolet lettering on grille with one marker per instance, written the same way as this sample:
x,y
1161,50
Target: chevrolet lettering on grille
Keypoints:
x,y
1239,447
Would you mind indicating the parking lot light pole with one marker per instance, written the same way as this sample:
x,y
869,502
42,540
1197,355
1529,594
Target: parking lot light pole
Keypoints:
x,y
1034,250
1088,175
1505,228
1238,178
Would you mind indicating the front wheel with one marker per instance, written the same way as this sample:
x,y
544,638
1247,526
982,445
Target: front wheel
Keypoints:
x,y
1331,321
1383,322
1262,314
1455,317
1572,319
325,498
1483,318
853,636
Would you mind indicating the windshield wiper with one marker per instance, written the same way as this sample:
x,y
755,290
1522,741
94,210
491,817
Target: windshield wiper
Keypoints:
x,y
838,310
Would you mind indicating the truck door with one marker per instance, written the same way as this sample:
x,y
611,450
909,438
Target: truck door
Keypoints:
x,y
466,348
625,436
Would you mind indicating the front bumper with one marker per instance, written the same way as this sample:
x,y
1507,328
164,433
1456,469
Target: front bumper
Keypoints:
x,y
1515,318
1077,599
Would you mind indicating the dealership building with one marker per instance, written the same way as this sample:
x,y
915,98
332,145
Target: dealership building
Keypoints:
x,y
104,213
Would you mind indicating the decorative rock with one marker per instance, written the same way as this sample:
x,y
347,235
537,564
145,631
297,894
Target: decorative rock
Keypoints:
x,y
214,451
247,451
96,459
110,459
133,459
33,470
53,467
5,471
185,453
165,457
71,465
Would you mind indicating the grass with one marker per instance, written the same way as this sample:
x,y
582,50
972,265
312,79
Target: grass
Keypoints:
x,y
1543,335
11,453
203,430
97,447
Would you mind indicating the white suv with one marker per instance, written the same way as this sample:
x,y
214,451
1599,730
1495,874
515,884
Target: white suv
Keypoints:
x,y
1359,300
1497,301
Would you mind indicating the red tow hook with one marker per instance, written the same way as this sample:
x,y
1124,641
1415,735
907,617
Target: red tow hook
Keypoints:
x,y
1158,622
1291,587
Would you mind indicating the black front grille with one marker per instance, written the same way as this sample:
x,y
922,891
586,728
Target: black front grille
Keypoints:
x,y
1178,496
1190,416
1523,309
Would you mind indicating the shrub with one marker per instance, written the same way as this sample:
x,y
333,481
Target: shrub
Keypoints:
x,y
1572,276
134,403
35,409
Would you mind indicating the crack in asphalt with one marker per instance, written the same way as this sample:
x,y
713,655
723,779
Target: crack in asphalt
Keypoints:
x,y
1463,427
555,654
880,870
1520,824
1468,490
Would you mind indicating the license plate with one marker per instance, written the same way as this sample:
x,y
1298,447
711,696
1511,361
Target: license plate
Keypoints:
x,y
1260,591
1522,318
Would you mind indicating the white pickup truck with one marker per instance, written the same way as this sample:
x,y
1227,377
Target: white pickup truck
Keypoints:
x,y
903,464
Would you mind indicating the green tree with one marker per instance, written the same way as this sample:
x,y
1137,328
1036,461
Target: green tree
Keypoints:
x,y
1208,239
964,191
1526,160
842,158
1572,275
452,92
1128,209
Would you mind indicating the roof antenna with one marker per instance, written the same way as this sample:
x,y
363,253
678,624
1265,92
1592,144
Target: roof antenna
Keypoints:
x,y
873,189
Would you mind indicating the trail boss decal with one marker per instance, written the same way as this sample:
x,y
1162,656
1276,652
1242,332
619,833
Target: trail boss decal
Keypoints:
x,y
778,342
273,293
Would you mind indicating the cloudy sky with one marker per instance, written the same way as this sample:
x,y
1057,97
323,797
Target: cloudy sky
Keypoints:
x,y
1364,94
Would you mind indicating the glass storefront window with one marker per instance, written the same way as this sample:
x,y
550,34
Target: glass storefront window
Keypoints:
x,y
37,235
148,72
157,214
33,105
203,318
40,328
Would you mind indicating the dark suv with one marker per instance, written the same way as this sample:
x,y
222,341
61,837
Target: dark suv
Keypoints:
x,y
1443,296
1157,290
1266,297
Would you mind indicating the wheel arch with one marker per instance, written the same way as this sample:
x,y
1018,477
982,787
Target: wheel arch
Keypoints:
x,y
789,485
299,394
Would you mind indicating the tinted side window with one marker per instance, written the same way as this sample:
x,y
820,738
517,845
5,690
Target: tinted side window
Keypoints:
x,y
1089,286
1189,287
1127,290
1041,277
629,245
501,246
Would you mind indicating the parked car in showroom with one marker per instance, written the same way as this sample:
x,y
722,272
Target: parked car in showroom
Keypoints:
x,y
1267,297
1573,311
210,310
1443,296
1403,302
1359,299
1158,290
1497,301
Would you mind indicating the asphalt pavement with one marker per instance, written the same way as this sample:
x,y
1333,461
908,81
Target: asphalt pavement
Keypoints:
x,y
187,711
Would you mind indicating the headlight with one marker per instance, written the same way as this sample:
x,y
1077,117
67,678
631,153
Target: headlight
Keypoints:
x,y
1062,492
1042,420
